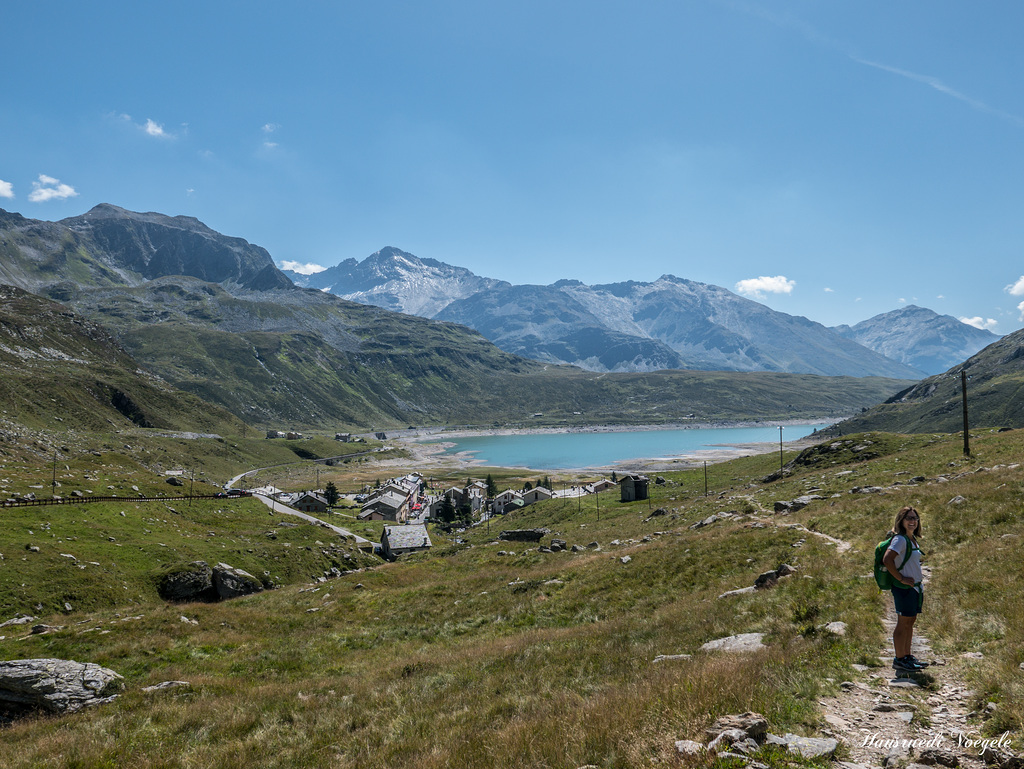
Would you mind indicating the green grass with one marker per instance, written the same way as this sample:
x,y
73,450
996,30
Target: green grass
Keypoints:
x,y
464,657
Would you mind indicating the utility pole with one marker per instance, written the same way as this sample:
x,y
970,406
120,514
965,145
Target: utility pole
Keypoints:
x,y
963,391
781,463
53,484
191,485
705,477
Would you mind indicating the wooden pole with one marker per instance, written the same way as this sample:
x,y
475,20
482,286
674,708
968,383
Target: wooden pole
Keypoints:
x,y
781,463
967,435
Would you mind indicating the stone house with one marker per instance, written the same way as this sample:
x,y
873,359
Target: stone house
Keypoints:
x,y
537,494
633,487
311,502
399,540
389,506
502,500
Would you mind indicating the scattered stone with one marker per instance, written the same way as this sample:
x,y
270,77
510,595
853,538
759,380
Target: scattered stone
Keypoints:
x,y
753,725
672,657
744,642
690,749
54,685
836,628
175,481
933,756
626,559
740,591
957,500
21,619
726,738
165,685
811,747
188,621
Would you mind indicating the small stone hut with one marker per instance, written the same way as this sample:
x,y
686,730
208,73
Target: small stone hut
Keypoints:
x,y
633,487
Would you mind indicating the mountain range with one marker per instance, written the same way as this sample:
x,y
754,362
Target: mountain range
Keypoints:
x,y
212,316
671,323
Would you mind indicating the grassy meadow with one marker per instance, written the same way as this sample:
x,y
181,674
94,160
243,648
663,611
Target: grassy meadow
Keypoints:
x,y
483,653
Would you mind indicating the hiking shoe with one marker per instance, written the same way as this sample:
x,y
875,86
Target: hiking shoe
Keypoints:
x,y
920,665
903,663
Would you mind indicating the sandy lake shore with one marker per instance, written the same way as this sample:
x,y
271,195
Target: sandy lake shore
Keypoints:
x,y
428,449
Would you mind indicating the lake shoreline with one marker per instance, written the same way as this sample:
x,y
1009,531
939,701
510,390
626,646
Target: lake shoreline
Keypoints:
x,y
428,448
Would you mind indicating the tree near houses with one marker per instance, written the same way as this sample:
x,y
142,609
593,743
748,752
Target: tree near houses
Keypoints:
x,y
446,510
331,493
492,487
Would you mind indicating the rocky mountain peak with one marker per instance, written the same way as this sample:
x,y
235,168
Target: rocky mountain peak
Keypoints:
x,y
920,337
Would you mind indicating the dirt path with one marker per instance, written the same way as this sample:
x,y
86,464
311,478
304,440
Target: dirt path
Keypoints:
x,y
882,719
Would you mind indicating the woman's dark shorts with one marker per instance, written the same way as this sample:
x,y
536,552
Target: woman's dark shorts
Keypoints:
x,y
908,600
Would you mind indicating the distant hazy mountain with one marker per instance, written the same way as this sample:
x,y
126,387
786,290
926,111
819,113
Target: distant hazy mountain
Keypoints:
x,y
671,322
920,338
995,377
398,281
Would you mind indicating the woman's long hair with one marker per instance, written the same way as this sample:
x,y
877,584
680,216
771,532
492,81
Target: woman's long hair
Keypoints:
x,y
899,526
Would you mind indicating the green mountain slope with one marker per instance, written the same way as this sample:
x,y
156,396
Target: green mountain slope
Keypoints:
x,y
995,395
60,371
211,315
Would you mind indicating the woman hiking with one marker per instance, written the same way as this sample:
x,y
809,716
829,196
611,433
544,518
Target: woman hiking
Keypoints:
x,y
907,591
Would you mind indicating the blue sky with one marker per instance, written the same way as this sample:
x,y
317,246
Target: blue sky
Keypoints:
x,y
831,159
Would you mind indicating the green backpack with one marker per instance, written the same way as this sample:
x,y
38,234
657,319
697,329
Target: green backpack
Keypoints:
x,y
883,578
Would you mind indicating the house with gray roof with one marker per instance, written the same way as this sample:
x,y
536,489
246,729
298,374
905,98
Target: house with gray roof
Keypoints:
x,y
399,540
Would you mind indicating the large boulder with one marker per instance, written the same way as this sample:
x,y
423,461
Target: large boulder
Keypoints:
x,y
230,582
522,535
198,581
54,685
191,582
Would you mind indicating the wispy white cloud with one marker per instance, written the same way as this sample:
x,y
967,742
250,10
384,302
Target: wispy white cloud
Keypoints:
x,y
979,322
941,87
1016,289
812,35
48,188
154,129
6,189
829,290
269,128
757,287
1020,308
302,269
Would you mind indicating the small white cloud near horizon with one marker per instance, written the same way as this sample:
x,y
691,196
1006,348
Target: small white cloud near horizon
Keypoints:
x,y
302,269
1016,289
1020,308
985,324
758,287
829,290
48,188
6,189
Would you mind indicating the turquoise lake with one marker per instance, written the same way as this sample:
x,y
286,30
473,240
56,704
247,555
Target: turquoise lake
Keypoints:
x,y
572,451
